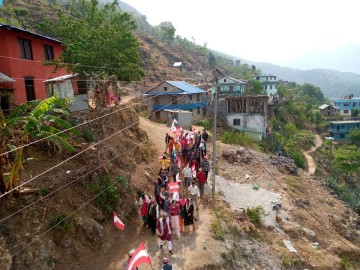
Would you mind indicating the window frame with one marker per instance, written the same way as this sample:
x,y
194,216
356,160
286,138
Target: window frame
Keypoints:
x,y
236,122
48,52
25,47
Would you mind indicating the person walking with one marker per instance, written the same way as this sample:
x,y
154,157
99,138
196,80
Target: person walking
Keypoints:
x,y
174,170
182,205
167,140
153,214
164,229
187,174
166,264
202,147
204,135
205,166
165,196
174,211
201,177
194,193
189,216
165,163
144,201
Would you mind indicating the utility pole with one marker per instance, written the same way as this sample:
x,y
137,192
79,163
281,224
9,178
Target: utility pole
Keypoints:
x,y
331,156
216,73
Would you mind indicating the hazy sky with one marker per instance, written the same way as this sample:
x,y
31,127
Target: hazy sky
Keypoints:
x,y
261,30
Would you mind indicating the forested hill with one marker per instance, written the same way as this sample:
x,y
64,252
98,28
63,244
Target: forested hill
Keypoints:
x,y
159,53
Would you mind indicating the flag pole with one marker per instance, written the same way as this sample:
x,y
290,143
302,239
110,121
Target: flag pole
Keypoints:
x,y
152,268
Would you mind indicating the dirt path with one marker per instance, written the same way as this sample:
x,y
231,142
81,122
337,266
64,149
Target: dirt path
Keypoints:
x,y
190,252
310,161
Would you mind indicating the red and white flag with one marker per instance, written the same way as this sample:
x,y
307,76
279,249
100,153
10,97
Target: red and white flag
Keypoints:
x,y
139,257
174,187
118,223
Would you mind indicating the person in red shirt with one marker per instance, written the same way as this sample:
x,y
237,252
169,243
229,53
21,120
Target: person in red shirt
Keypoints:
x,y
201,177
174,210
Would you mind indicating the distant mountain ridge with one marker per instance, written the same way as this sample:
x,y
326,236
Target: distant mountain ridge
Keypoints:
x,y
333,83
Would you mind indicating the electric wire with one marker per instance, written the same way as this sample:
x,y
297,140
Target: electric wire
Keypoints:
x,y
79,153
72,213
68,129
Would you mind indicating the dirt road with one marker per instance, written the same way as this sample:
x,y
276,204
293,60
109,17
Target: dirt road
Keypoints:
x,y
190,252
310,161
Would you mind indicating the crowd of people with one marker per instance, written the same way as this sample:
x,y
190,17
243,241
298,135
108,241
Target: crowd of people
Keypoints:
x,y
168,212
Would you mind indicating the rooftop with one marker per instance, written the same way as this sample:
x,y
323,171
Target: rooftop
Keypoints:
x,y
4,78
324,106
186,87
13,28
345,122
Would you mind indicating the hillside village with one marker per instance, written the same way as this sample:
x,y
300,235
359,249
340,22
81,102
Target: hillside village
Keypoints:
x,y
286,158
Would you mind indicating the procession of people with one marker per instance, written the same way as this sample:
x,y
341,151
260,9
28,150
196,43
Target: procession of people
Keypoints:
x,y
173,208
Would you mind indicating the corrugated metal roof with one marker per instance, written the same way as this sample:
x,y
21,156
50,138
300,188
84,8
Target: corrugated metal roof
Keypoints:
x,y
10,27
179,106
186,87
345,122
4,78
177,64
324,106
165,93
62,78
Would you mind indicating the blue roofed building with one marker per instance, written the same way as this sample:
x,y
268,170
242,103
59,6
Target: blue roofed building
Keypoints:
x,y
340,130
171,98
346,104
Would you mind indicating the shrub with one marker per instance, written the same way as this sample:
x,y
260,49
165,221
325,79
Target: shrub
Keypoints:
x,y
88,135
43,191
206,123
217,229
255,214
60,223
108,197
237,137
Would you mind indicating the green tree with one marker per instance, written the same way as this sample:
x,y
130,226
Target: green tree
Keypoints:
x,y
355,112
256,88
98,41
237,63
354,137
311,94
347,161
167,31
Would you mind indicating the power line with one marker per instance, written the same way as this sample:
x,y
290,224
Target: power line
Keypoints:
x,y
72,213
72,182
77,154
68,129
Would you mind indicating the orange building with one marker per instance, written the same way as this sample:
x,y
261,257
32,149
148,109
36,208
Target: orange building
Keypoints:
x,y
22,54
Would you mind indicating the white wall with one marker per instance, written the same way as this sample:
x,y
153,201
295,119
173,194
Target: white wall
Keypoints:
x,y
253,122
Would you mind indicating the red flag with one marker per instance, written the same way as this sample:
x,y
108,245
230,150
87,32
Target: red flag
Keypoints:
x,y
174,187
139,257
118,223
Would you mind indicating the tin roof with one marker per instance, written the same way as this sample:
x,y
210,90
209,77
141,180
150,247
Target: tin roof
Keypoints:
x,y
186,87
13,28
62,78
324,106
4,78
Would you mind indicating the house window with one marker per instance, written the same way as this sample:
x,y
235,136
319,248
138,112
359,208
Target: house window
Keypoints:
x,y
25,49
157,100
236,122
191,110
265,86
271,86
198,97
231,88
342,136
165,88
346,104
257,78
49,52
346,111
5,103
30,89
354,104
190,98
174,100
198,110
157,115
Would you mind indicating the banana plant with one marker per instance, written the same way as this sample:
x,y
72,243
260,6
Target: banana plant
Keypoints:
x,y
32,121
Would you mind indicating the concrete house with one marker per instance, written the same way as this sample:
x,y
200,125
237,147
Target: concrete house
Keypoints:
x,y
346,104
228,85
340,130
173,97
248,114
328,110
269,83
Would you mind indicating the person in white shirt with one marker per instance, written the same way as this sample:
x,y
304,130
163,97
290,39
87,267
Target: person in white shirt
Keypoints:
x,y
187,173
194,193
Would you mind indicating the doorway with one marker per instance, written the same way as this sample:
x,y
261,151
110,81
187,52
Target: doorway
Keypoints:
x,y
30,88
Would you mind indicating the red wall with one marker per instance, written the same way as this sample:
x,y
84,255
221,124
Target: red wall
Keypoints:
x,y
18,68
